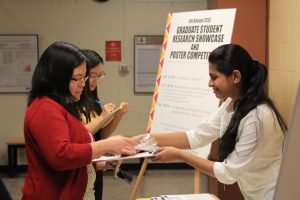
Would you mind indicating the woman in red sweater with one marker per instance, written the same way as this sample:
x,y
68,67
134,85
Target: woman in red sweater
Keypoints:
x,y
59,148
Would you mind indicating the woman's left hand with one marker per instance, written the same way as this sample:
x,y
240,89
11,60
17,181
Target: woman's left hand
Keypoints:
x,y
105,165
100,165
111,164
167,154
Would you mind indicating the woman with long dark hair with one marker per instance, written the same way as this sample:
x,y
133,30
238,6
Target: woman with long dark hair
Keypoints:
x,y
93,112
59,148
250,128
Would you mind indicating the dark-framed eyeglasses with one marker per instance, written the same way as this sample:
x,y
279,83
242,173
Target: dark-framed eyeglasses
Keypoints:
x,y
80,79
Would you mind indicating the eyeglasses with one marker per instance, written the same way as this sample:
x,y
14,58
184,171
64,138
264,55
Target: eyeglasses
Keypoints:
x,y
80,79
97,76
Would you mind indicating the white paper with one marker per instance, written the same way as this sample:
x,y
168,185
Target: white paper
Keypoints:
x,y
119,157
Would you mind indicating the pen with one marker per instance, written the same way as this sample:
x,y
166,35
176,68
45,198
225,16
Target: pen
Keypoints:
x,y
98,101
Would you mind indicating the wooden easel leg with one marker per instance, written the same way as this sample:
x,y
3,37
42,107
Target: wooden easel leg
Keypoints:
x,y
196,181
138,179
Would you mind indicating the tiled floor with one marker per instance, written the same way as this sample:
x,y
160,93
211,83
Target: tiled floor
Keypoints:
x,y
154,183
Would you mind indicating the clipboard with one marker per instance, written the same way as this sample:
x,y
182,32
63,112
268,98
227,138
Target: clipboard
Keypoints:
x,y
119,157
109,117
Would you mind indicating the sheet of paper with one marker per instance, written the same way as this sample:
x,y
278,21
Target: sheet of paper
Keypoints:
x,y
119,157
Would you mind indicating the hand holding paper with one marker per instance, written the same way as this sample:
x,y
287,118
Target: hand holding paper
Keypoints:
x,y
147,145
168,154
120,145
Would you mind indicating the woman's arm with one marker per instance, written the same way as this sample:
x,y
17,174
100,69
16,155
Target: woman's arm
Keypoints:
x,y
169,154
95,125
176,139
111,127
116,145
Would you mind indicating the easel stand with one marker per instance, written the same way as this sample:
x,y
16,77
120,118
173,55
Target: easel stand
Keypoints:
x,y
196,181
142,172
139,178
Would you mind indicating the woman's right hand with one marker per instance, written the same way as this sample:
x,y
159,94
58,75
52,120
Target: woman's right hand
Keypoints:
x,y
121,145
107,108
167,154
136,139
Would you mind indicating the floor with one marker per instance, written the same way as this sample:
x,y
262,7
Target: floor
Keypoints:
x,y
154,183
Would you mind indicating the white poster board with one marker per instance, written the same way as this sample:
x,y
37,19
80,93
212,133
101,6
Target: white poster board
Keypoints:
x,y
289,177
147,49
18,58
182,98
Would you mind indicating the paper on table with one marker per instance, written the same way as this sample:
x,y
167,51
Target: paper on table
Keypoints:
x,y
109,117
119,157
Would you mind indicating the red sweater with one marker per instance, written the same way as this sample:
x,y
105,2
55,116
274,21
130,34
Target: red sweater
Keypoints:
x,y
57,149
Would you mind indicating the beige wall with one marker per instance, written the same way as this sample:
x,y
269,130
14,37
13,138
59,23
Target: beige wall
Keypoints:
x,y
88,25
284,53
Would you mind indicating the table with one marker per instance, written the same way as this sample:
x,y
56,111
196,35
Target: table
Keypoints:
x,y
13,144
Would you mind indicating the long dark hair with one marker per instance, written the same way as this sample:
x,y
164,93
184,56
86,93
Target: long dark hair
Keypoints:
x,y
228,58
53,73
93,103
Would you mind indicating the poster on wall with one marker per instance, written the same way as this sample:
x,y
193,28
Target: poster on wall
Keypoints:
x,y
18,59
147,49
182,98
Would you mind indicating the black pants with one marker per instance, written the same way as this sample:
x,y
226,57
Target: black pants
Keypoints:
x,y
98,185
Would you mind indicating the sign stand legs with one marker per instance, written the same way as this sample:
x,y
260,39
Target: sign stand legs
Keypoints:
x,y
196,181
139,178
142,172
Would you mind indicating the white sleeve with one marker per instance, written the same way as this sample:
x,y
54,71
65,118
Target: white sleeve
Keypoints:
x,y
243,156
208,130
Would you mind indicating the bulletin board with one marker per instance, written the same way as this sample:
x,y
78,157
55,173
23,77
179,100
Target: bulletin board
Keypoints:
x,y
147,50
18,59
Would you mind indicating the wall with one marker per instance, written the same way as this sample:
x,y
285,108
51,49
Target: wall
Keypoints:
x,y
250,30
88,25
284,53
284,59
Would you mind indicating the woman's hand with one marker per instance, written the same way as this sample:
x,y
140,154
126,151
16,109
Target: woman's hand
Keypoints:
x,y
167,154
105,165
124,108
111,164
121,145
100,165
136,139
107,108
